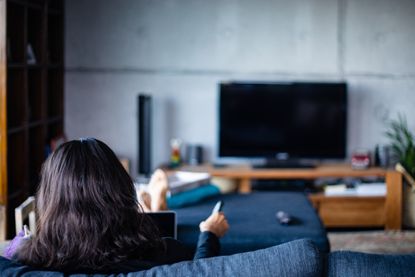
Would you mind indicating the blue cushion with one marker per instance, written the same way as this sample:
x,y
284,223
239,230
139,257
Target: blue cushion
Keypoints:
x,y
192,196
297,258
252,221
347,263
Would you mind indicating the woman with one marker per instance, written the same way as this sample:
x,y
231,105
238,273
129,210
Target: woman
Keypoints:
x,y
89,219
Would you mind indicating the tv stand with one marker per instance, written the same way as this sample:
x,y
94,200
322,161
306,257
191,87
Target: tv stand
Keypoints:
x,y
285,164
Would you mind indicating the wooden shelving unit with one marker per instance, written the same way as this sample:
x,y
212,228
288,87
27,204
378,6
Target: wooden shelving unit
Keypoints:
x,y
34,93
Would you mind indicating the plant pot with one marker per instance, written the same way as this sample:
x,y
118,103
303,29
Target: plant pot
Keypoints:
x,y
408,197
408,205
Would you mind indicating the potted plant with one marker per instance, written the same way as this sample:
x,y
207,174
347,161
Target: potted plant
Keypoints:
x,y
403,148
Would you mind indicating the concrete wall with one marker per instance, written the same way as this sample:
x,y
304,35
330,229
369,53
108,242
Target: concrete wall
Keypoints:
x,y
179,50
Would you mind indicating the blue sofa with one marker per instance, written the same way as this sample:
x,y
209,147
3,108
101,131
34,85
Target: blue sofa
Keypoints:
x,y
296,258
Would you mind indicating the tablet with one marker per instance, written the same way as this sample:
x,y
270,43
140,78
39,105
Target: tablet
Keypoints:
x,y
166,222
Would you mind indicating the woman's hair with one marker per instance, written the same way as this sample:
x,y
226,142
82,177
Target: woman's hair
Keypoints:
x,y
88,214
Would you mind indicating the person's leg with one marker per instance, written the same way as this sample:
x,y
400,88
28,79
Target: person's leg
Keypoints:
x,y
157,189
144,199
152,198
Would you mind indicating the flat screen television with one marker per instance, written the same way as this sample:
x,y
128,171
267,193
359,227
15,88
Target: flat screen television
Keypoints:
x,y
299,120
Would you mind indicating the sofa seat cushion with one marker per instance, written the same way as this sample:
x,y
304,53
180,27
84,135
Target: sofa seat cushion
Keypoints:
x,y
296,258
252,221
351,264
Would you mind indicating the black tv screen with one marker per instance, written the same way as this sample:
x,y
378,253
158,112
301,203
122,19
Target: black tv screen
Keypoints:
x,y
295,120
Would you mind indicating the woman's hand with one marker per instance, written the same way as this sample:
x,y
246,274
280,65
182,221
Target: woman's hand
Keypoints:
x,y
215,223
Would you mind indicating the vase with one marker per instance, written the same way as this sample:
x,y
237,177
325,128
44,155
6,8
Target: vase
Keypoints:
x,y
408,205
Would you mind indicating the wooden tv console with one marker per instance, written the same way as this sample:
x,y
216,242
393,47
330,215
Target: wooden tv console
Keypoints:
x,y
335,211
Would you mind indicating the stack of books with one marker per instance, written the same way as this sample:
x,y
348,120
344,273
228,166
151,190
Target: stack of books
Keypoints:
x,y
182,181
369,189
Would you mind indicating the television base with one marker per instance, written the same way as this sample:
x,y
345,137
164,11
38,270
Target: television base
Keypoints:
x,y
285,164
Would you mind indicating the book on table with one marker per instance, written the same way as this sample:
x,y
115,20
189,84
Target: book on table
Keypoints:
x,y
369,189
183,180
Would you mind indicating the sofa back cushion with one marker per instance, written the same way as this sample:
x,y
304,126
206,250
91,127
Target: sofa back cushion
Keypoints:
x,y
296,258
347,263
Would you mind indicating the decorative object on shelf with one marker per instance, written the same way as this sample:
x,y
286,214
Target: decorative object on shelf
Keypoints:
x,y
175,158
31,58
360,159
194,154
54,143
403,146
382,156
57,141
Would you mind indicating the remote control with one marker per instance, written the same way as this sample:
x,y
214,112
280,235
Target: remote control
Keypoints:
x,y
218,207
283,218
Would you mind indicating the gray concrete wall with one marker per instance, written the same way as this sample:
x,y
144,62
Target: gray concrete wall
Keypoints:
x,y
179,50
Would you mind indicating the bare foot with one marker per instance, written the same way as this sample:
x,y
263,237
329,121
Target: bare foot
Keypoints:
x,y
157,188
144,199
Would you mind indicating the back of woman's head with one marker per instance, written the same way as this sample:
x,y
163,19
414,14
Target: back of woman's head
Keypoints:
x,y
88,215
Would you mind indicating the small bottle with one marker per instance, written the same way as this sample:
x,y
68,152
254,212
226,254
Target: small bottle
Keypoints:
x,y
175,158
376,160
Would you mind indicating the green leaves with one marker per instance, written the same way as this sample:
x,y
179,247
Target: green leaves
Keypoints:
x,y
402,142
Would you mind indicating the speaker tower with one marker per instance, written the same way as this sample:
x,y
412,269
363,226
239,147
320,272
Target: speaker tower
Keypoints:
x,y
144,134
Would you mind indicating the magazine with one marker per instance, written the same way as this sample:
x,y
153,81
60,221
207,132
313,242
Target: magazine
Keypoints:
x,y
183,180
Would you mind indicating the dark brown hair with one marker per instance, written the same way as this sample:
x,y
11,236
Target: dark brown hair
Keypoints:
x,y
88,214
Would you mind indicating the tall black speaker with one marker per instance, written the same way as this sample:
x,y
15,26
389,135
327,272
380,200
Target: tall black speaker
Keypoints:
x,y
144,134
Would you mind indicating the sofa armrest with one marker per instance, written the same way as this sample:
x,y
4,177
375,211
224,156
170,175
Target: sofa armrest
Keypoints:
x,y
348,263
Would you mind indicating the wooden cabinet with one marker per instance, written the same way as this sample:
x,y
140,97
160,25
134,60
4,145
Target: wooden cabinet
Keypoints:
x,y
364,211
31,95
350,211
